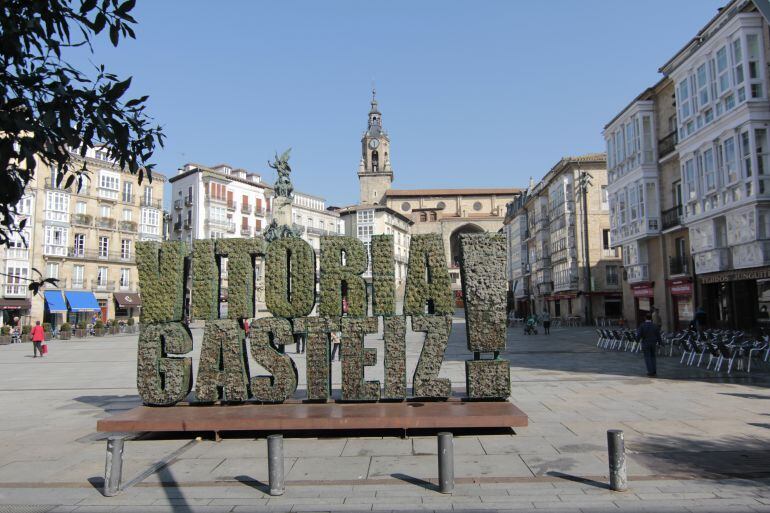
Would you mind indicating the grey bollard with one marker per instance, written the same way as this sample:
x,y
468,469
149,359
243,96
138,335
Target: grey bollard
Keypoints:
x,y
275,463
113,467
446,462
616,448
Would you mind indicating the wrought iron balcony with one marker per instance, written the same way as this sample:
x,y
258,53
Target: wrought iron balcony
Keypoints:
x,y
246,208
672,217
82,220
127,226
188,201
92,254
232,205
103,285
667,144
149,202
245,231
187,224
178,204
678,265
178,226
105,222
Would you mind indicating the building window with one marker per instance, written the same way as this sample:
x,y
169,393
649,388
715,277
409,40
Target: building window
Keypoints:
x,y
104,247
101,276
55,240
57,206
612,274
128,192
80,207
16,284
105,211
433,216
606,240
77,276
52,270
148,195
125,249
109,184
125,278
423,217
80,244
128,214
150,221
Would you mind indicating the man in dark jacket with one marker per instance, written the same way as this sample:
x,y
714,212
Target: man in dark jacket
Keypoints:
x,y
649,335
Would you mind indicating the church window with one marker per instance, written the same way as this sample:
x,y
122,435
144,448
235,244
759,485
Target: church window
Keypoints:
x,y
477,206
441,205
405,206
375,161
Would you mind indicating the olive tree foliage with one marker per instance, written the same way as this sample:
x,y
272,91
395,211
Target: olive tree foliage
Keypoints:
x,y
49,108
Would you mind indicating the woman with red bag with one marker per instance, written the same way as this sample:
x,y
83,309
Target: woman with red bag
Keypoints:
x,y
38,337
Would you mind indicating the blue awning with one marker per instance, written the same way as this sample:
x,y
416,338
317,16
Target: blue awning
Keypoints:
x,y
82,301
54,301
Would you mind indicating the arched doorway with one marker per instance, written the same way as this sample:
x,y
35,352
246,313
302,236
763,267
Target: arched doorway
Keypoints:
x,y
454,240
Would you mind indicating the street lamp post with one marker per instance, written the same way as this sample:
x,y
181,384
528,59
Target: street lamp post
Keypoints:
x,y
584,182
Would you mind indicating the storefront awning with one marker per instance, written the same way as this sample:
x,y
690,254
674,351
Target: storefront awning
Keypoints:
x,y
15,303
54,301
82,301
127,299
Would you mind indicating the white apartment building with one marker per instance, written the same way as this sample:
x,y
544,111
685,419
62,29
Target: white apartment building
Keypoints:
x,y
722,120
310,215
217,202
516,230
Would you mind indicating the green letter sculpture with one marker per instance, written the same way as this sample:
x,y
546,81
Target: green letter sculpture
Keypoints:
x,y
290,277
383,275
426,380
337,276
161,280
223,366
164,380
394,333
427,278
268,336
205,281
240,274
355,357
318,331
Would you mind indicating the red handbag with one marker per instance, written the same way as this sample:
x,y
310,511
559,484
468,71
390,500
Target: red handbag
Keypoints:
x,y
45,348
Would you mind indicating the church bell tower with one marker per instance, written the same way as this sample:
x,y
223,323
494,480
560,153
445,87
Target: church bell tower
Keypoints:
x,y
374,172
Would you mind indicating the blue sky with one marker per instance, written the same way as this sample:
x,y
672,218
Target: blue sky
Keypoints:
x,y
484,93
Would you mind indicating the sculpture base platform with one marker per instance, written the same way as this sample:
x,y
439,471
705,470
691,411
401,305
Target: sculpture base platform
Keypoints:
x,y
299,416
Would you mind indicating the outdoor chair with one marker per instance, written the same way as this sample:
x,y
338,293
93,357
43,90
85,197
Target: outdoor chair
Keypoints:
x,y
728,353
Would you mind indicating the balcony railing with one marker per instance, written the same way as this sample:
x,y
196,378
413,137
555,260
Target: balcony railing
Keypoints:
x,y
719,259
109,194
246,208
127,198
78,283
638,272
678,265
54,250
106,222
188,201
187,224
15,289
320,231
611,252
671,217
85,190
232,205
82,220
178,226
102,285
127,226
178,204
667,144
245,231
218,223
92,254
151,203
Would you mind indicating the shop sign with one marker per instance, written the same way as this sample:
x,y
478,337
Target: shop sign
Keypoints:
x,y
681,289
643,292
738,275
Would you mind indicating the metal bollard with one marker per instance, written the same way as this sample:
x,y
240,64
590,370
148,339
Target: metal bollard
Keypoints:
x,y
446,462
275,463
616,448
113,467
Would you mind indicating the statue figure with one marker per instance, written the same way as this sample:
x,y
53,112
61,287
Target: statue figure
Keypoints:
x,y
283,186
279,231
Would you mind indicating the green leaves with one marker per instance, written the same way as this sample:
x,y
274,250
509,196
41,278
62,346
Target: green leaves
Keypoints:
x,y
51,110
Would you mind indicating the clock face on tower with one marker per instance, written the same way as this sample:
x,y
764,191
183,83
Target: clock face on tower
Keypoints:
x,y
373,143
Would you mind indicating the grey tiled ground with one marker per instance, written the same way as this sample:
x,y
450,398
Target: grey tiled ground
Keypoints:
x,y
696,441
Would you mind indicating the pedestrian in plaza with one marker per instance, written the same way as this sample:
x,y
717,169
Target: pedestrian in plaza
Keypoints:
x,y
656,320
649,335
335,346
38,337
546,318
700,319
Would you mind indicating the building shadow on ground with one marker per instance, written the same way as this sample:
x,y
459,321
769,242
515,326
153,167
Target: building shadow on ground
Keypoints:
x,y
736,456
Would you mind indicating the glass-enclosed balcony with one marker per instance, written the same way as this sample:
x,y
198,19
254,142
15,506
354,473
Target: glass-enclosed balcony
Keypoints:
x,y
637,273
713,260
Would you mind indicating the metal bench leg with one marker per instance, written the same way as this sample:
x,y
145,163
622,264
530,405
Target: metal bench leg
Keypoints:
x,y
113,466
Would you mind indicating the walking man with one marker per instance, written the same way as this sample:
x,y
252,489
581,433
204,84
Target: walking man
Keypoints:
x,y
649,335
546,318
38,337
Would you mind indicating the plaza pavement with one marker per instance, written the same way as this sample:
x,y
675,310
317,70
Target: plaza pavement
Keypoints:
x,y
696,441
